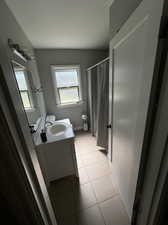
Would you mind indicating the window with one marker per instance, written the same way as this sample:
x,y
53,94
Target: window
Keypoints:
x,y
67,84
23,88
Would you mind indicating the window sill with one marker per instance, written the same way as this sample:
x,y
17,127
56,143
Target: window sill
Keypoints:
x,y
69,105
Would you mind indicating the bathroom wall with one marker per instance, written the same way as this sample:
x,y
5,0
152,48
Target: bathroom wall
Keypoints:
x,y
85,58
119,12
11,29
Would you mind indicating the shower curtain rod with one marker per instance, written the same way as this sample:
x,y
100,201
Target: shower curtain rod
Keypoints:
x,y
98,63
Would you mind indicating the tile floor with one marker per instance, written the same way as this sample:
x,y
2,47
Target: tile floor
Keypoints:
x,y
93,199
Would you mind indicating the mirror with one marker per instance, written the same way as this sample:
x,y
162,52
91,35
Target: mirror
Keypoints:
x,y
29,94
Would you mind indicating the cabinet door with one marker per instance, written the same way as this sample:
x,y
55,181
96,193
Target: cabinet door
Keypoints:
x,y
59,160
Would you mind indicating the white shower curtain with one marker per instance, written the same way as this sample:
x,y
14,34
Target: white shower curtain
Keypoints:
x,y
98,81
102,104
92,84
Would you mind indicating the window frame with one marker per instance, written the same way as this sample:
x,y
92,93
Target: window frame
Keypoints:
x,y
56,88
28,90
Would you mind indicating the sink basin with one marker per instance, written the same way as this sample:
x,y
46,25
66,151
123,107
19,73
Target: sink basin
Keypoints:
x,y
57,129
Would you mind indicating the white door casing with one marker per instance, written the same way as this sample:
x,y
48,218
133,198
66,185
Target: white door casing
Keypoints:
x,y
131,70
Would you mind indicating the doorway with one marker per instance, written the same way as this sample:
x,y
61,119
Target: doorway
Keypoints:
x,y
102,206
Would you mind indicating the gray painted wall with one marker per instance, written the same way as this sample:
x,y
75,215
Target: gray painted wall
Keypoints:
x,y
120,10
84,58
11,29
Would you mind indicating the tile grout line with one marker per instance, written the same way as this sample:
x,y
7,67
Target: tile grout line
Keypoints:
x,y
93,163
101,209
98,205
90,181
97,201
102,215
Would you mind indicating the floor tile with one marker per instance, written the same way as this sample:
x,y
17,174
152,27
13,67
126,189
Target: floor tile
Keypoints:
x,y
84,196
80,163
114,212
83,135
91,216
85,143
93,157
83,176
84,149
98,170
103,188
114,179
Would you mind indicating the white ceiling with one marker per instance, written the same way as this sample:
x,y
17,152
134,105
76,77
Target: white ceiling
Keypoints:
x,y
70,24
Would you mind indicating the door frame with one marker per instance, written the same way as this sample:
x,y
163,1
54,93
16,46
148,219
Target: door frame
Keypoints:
x,y
156,164
150,124
15,174
15,115
156,98
152,174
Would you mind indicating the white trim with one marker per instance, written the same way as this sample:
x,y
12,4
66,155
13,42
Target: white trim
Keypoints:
x,y
24,70
61,67
76,66
69,105
29,91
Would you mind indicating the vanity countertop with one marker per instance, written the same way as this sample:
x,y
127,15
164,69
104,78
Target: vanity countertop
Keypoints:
x,y
68,134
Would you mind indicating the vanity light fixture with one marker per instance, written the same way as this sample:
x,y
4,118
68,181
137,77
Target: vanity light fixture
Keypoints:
x,y
16,49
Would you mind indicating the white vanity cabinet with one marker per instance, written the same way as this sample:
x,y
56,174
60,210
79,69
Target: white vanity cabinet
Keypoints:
x,y
57,159
57,156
